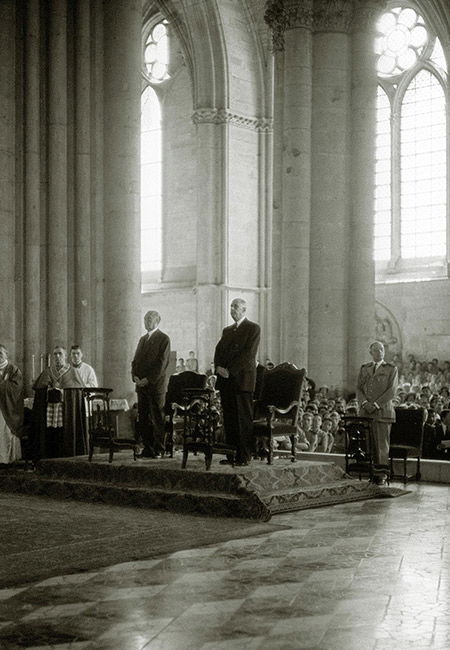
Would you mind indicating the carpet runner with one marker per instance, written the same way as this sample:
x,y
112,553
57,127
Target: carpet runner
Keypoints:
x,y
254,492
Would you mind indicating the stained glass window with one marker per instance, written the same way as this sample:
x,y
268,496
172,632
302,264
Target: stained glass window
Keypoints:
x,y
156,53
410,196
155,71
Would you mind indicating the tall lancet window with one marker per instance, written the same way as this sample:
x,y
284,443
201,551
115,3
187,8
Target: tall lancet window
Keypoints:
x,y
411,176
155,72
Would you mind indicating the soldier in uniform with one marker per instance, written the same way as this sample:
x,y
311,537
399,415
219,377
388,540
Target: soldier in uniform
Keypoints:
x,y
377,386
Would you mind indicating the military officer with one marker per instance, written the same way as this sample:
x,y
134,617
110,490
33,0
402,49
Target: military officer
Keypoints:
x,y
377,386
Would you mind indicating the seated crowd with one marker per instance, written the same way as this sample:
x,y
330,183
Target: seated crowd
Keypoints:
x,y
320,425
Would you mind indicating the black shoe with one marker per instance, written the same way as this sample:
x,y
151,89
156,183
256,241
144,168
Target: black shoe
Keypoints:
x,y
147,453
225,461
242,463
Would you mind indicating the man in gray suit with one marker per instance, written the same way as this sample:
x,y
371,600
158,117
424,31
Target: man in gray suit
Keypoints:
x,y
148,371
377,386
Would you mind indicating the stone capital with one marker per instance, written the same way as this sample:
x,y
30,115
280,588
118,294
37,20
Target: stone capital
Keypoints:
x,y
282,15
225,116
333,15
366,13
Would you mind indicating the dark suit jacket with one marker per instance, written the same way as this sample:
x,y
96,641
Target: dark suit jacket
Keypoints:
x,y
236,351
441,434
151,359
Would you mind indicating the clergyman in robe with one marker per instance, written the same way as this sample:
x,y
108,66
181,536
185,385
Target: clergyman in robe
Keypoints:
x,y
11,409
58,410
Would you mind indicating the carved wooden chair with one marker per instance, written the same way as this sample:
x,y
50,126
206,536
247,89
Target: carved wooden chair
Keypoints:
x,y
201,412
174,405
407,440
276,410
101,432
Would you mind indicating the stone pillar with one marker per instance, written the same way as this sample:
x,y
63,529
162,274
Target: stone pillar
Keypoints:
x,y
291,22
7,174
277,205
57,249
122,273
211,228
32,194
265,175
82,190
330,192
361,297
97,188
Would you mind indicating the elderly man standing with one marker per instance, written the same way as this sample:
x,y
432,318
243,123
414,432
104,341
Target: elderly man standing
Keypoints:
x,y
148,371
235,362
377,386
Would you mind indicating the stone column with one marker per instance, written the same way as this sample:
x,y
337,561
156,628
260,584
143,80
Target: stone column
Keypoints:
x,y
330,192
361,297
291,22
32,194
57,249
277,205
7,174
211,228
82,189
122,92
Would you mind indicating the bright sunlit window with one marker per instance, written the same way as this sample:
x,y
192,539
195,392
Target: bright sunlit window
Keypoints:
x,y
411,143
151,189
155,72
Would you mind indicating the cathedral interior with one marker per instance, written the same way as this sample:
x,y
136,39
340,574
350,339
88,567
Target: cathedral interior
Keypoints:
x,y
172,155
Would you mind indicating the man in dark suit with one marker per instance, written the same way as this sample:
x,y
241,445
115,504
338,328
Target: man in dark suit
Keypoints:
x,y
443,435
148,371
377,387
235,363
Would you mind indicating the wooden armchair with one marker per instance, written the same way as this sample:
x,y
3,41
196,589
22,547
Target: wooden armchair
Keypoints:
x,y
407,440
201,413
276,410
175,404
101,432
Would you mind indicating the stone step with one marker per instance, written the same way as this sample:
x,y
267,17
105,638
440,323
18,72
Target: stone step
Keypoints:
x,y
165,473
190,501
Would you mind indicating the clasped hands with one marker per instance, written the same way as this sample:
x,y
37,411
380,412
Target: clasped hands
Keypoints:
x,y
370,407
141,383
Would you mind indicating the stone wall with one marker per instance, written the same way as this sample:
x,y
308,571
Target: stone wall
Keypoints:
x,y
180,177
423,314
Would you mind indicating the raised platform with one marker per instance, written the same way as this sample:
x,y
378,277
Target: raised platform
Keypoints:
x,y
254,492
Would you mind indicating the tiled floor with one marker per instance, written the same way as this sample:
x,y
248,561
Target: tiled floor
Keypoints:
x,y
360,576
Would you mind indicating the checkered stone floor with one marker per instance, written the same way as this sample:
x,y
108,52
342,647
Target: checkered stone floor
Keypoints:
x,y
371,575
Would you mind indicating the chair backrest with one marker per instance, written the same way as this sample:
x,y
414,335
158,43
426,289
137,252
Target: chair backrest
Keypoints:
x,y
260,372
179,382
282,385
408,427
97,406
357,436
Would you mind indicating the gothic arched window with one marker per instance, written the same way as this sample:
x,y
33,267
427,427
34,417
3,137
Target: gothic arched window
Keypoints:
x,y
411,213
154,72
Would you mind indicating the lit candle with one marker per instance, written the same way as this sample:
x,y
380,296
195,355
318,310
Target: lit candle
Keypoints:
x,y
33,375
41,362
